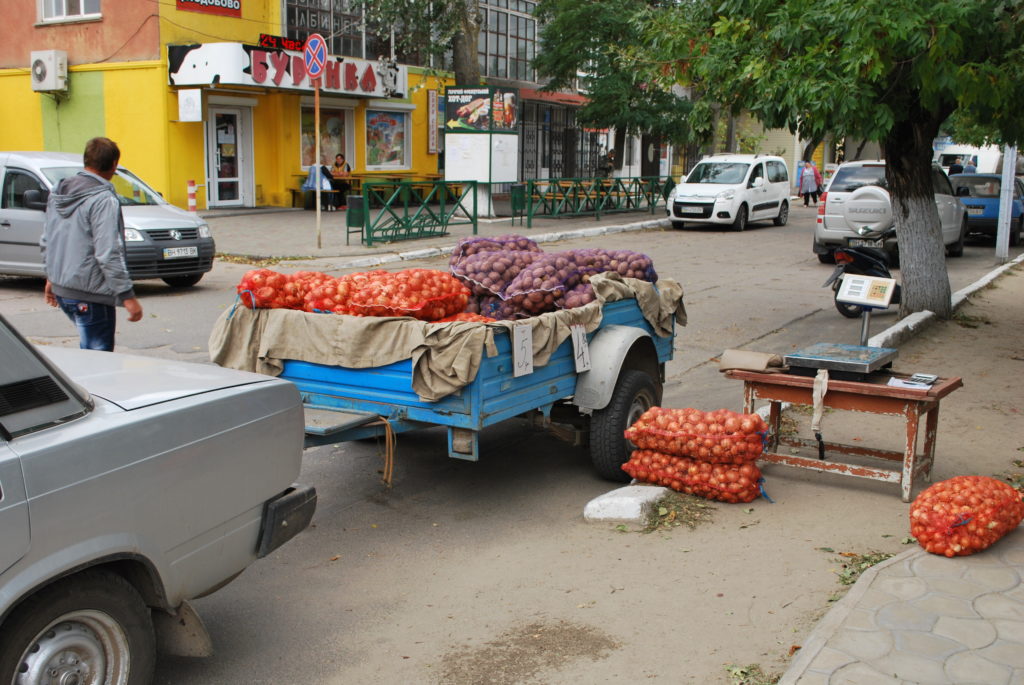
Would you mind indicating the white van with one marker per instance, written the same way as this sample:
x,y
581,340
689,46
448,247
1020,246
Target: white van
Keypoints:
x,y
732,189
988,159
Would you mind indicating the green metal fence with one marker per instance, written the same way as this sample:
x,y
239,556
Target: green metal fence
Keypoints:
x,y
406,210
559,197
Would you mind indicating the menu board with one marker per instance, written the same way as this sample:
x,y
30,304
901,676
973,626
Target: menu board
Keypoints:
x,y
485,109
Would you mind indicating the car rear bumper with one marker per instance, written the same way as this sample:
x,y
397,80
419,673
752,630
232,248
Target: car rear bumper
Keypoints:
x,y
147,260
286,516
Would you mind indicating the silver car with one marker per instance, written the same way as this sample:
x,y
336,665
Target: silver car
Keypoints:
x,y
161,240
129,485
856,208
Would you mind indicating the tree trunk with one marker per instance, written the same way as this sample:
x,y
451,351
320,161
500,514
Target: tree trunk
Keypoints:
x,y
464,44
809,149
923,273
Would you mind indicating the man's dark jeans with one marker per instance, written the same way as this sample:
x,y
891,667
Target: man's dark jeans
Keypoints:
x,y
95,323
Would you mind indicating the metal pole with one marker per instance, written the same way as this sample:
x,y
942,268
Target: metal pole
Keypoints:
x,y
316,155
865,326
1005,204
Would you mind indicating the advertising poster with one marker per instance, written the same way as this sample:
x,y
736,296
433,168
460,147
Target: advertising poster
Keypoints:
x,y
481,110
504,107
385,139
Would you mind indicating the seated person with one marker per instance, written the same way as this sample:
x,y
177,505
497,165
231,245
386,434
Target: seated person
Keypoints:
x,y
326,183
340,173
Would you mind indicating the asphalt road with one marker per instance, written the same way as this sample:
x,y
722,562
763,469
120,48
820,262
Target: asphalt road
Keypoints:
x,y
389,586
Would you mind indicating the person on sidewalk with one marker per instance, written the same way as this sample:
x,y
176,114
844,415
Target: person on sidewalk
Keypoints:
x,y
83,249
810,183
340,173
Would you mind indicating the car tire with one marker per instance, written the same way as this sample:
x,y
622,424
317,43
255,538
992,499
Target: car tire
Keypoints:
x,y
783,218
740,224
957,249
93,627
678,225
183,281
635,392
827,258
1018,232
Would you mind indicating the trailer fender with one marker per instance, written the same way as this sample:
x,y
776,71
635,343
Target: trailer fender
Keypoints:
x,y
608,350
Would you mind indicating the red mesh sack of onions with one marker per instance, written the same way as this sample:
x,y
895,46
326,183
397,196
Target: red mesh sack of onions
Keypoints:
x,y
326,294
425,294
489,272
719,437
964,515
262,289
466,316
472,245
720,482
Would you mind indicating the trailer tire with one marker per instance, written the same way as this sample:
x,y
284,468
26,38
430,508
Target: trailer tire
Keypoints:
x,y
635,392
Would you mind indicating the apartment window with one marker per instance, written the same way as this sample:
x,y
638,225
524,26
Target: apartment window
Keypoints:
x,y
59,10
508,39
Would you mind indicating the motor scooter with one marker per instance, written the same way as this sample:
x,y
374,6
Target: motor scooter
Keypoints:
x,y
867,261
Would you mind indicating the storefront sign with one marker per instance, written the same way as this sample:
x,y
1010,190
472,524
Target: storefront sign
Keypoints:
x,y
227,8
279,43
251,65
432,122
481,110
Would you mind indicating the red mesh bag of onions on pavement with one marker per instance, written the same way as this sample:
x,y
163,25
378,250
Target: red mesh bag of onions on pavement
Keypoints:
x,y
718,437
719,482
964,515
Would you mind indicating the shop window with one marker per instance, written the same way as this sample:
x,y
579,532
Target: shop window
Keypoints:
x,y
67,10
332,135
387,140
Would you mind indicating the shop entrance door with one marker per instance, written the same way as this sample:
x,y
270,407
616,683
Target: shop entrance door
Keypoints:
x,y
229,149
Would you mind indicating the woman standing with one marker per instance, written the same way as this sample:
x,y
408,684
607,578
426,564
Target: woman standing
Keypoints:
x,y
810,183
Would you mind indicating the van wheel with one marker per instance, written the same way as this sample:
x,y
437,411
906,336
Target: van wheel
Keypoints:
x,y
92,628
783,216
182,281
678,225
957,249
740,224
635,392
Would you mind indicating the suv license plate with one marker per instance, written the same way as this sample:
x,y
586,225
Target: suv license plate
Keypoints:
x,y
864,242
176,252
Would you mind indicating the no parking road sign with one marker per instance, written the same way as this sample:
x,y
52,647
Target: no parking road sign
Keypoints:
x,y
315,55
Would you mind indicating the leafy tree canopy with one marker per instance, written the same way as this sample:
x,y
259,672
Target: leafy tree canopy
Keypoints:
x,y
581,40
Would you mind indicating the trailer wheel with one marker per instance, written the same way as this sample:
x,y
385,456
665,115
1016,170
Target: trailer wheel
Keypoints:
x,y
93,628
635,392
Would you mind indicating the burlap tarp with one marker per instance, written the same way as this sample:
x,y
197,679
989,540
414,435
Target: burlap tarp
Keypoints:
x,y
445,357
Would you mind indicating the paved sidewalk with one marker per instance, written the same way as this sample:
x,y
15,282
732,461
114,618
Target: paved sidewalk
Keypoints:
x,y
292,234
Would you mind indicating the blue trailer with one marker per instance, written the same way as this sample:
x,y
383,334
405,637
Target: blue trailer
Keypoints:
x,y
591,407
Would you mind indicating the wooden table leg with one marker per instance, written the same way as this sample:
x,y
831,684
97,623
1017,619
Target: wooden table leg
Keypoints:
x,y
931,429
913,416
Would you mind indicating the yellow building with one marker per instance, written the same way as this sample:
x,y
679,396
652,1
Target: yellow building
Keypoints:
x,y
207,91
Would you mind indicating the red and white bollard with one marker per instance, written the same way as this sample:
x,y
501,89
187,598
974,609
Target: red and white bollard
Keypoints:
x,y
191,196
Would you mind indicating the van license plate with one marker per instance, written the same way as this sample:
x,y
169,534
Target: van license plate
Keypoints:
x,y
176,252
684,209
864,242
975,211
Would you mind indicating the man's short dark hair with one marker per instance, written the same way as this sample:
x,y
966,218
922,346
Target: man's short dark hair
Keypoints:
x,y
101,154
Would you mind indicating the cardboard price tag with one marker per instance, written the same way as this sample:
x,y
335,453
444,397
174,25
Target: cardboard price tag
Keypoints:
x,y
522,349
580,347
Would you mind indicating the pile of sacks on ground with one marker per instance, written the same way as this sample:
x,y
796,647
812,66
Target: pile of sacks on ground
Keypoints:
x,y
708,454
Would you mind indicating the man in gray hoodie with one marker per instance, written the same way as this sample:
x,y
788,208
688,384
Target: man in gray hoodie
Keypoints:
x,y
83,249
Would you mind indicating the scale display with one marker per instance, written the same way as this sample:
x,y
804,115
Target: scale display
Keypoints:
x,y
867,291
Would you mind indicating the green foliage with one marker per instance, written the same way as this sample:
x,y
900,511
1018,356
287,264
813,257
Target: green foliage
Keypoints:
x,y
580,42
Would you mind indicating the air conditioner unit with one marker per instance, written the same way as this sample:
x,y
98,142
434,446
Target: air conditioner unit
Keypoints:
x,y
49,70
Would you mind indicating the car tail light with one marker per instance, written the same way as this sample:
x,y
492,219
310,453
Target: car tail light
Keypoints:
x,y
821,207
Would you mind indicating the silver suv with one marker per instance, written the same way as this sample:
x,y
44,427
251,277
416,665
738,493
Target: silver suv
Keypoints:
x,y
855,209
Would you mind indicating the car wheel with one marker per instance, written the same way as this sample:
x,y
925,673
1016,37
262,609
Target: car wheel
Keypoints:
x,y
635,392
678,225
93,628
957,249
783,216
827,258
740,224
1018,232
183,281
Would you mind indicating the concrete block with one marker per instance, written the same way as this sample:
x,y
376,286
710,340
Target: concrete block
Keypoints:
x,y
630,503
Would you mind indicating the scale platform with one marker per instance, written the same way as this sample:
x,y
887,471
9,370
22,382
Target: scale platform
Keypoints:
x,y
844,362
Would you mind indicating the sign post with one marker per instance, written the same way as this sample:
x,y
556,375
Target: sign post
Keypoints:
x,y
315,56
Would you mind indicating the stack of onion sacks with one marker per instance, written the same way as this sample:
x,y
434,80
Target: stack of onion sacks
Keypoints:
x,y
964,515
710,454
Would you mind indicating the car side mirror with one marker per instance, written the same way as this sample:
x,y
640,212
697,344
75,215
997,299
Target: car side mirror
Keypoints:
x,y
35,199
963,191
757,182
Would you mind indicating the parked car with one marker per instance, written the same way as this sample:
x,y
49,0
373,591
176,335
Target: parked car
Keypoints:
x,y
733,190
982,202
161,240
128,486
855,208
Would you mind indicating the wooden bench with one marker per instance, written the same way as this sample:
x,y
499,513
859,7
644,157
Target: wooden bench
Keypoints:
x,y
299,197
